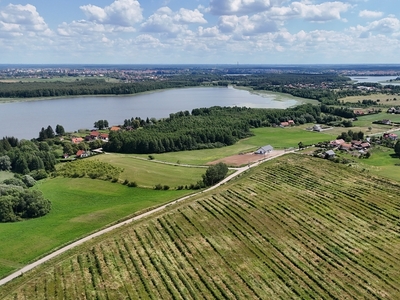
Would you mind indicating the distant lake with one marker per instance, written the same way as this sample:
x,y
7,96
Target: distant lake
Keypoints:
x,y
24,120
375,79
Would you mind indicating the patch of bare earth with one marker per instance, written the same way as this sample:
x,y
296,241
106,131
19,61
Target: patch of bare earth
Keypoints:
x,y
244,159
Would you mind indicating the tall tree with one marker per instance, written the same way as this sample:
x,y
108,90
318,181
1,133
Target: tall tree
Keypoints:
x,y
50,132
60,130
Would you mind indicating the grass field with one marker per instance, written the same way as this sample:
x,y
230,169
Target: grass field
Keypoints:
x,y
5,175
79,206
279,138
294,228
148,173
383,163
384,99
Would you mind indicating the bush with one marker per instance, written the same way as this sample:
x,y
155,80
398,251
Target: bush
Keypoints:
x,y
17,204
132,184
158,187
39,174
165,187
28,180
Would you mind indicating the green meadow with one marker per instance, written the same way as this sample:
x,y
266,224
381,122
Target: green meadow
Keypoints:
x,y
5,175
148,173
79,206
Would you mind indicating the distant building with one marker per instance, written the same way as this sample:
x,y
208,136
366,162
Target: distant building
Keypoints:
x,y
317,127
264,150
329,154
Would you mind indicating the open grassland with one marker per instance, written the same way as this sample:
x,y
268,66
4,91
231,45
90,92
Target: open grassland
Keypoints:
x,y
294,228
384,99
383,163
147,173
79,207
279,138
5,175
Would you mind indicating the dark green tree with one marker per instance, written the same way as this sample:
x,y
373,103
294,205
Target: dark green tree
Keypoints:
x,y
397,148
215,174
60,130
50,132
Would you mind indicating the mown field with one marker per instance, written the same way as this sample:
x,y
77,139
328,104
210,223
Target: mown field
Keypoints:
x,y
279,138
79,207
147,173
384,99
294,228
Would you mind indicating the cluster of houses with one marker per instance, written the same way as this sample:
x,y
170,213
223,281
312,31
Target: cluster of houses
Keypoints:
x,y
92,136
353,145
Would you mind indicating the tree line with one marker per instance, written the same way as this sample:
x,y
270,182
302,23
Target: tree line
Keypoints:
x,y
85,87
206,128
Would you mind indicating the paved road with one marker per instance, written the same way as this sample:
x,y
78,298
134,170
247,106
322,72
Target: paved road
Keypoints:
x,y
108,229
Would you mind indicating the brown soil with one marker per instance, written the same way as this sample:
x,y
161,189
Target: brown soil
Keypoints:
x,y
244,159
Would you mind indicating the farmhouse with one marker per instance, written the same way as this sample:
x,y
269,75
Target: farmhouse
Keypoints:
x,y
81,154
390,136
336,143
264,150
76,140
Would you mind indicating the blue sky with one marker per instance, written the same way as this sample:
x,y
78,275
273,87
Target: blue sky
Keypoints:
x,y
199,31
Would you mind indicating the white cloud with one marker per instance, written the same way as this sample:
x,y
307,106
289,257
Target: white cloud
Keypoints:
x,y
321,12
123,13
370,14
23,19
240,7
246,26
164,20
385,26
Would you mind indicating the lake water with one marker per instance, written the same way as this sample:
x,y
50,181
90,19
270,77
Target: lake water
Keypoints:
x,y
24,120
375,79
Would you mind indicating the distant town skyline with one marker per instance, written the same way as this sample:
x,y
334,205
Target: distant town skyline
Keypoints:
x,y
199,32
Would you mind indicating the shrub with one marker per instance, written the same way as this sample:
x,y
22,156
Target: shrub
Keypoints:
x,y
158,187
132,184
165,187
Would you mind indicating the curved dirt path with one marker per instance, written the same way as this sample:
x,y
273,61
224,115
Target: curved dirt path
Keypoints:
x,y
141,216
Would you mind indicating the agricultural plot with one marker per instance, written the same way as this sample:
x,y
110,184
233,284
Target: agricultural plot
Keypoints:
x,y
294,228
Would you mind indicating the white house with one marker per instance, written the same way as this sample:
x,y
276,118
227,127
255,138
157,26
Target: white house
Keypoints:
x,y
264,150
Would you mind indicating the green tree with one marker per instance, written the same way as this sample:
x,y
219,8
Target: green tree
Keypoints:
x,y
60,130
5,163
215,174
397,148
50,132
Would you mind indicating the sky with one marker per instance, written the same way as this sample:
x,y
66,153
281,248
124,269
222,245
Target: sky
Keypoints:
x,y
199,32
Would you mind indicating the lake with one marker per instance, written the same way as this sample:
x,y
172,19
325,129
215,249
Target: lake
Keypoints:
x,y
375,79
24,120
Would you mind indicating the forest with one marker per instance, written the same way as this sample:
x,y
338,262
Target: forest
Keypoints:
x,y
206,128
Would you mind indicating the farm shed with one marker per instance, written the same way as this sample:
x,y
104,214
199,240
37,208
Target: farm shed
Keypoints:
x,y
264,150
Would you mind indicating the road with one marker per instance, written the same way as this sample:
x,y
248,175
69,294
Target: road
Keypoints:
x,y
141,216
